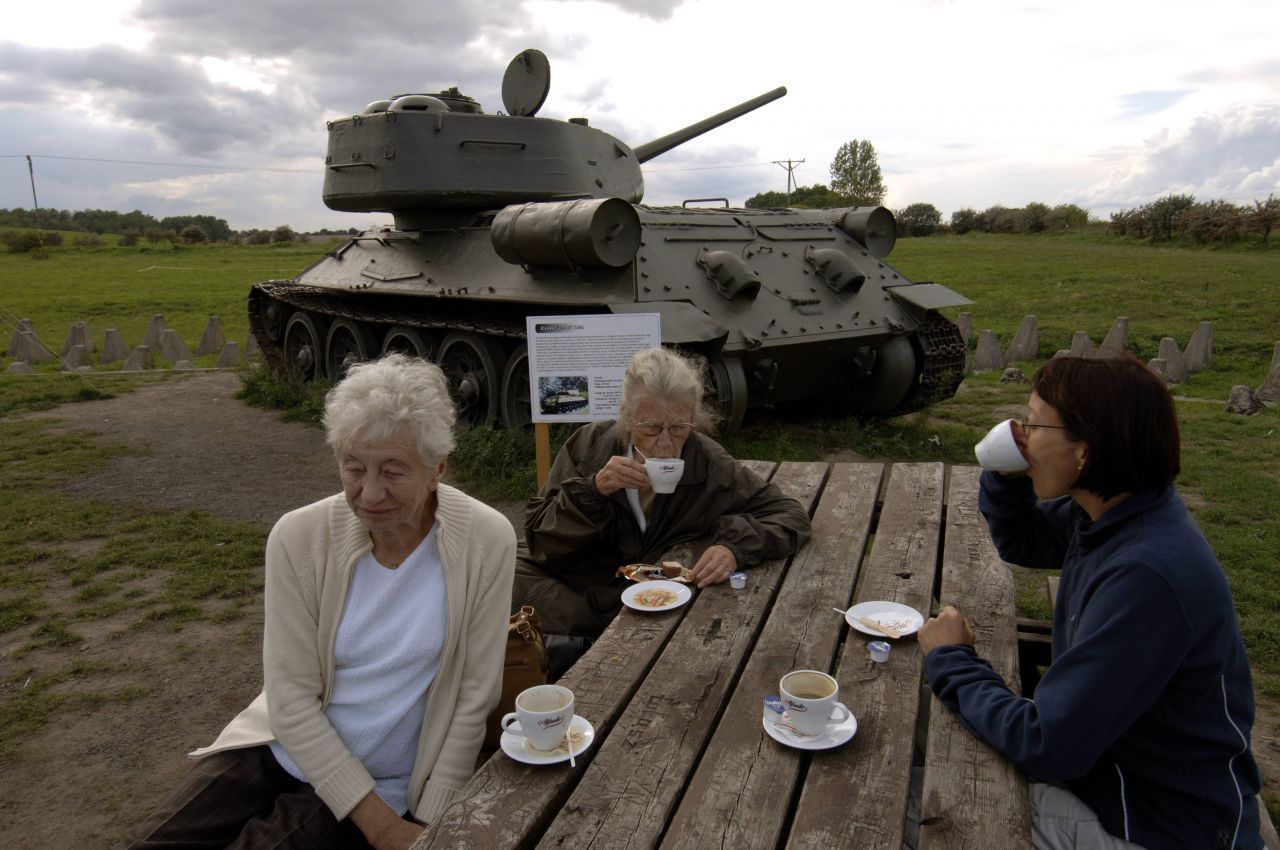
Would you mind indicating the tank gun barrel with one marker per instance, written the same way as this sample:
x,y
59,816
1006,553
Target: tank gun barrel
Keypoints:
x,y
659,146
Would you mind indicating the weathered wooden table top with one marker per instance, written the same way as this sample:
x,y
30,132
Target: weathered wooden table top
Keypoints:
x,y
681,758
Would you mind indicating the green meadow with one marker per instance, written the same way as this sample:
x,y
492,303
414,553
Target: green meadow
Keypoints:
x,y
1231,475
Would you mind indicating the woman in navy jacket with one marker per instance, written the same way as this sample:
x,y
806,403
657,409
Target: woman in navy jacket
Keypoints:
x,y
1139,731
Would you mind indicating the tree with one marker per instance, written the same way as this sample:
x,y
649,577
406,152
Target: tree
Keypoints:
x,y
919,219
1163,214
192,234
855,173
1264,216
815,197
283,233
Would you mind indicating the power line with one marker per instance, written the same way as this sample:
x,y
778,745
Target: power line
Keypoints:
x,y
790,165
705,167
29,157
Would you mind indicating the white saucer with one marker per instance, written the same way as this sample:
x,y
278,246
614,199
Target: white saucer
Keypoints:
x,y
779,729
893,615
514,745
682,592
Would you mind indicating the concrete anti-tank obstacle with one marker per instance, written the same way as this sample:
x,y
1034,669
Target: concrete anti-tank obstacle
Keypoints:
x,y
1275,357
31,350
1082,346
229,357
78,335
23,326
213,338
1117,338
155,331
1199,353
964,322
1026,342
989,356
114,348
139,360
251,349
75,358
172,348
1161,368
1269,389
1242,400
1175,368
19,367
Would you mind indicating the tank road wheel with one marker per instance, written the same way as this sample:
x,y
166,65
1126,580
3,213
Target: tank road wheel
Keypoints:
x,y
517,407
729,393
302,348
891,379
410,341
347,344
473,365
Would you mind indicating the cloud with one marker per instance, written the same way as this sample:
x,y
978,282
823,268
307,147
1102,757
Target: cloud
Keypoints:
x,y
1146,102
1231,155
658,10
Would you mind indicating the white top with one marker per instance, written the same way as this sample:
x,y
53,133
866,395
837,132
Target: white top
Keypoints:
x,y
387,653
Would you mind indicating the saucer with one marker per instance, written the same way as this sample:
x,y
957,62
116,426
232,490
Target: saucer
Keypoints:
x,y
682,595
902,618
780,730
515,748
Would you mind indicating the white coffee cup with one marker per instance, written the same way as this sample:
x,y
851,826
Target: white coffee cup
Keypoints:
x,y
543,714
664,473
811,700
999,452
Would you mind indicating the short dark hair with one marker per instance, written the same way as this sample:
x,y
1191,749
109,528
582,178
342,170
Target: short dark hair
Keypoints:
x,y
1124,413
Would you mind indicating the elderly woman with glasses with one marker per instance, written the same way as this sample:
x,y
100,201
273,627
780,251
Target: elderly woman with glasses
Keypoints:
x,y
1138,733
598,512
385,632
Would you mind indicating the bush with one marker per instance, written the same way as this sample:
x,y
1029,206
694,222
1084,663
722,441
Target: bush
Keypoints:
x,y
1216,221
1034,218
130,238
193,234
89,240
965,219
919,219
283,233
20,241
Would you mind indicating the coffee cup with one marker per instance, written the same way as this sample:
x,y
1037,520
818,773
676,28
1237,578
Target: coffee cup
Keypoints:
x,y
999,452
664,473
543,714
811,700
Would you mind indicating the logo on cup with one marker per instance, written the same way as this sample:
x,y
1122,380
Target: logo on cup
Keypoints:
x,y
548,722
795,706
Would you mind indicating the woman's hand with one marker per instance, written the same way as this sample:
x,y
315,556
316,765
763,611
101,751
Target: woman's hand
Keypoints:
x,y
714,566
382,827
619,473
950,626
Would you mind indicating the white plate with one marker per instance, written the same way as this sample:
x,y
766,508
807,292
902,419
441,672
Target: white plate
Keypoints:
x,y
781,730
515,746
892,615
682,592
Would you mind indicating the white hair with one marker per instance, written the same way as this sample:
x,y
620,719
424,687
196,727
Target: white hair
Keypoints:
x,y
394,394
668,377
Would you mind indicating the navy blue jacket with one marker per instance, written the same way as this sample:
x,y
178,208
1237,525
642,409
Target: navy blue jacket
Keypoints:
x,y
1146,711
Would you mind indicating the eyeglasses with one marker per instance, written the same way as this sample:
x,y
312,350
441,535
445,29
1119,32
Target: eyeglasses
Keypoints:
x,y
1026,426
677,430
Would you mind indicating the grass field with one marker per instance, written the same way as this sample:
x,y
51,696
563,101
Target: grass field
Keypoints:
x,y
1231,463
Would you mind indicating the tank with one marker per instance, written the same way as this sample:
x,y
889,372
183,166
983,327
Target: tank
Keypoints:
x,y
503,216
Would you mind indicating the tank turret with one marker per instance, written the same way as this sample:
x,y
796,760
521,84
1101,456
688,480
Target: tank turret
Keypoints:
x,y
503,216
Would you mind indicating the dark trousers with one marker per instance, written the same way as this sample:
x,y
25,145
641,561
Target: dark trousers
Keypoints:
x,y
243,799
561,609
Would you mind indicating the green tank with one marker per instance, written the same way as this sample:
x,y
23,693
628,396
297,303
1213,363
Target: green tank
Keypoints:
x,y
503,216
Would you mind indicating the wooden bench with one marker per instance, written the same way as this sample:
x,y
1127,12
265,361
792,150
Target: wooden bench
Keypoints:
x,y
681,758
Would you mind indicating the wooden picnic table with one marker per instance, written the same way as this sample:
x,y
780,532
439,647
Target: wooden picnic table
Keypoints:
x,y
680,756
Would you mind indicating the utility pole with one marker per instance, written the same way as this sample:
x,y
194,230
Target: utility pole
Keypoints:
x,y
789,164
32,171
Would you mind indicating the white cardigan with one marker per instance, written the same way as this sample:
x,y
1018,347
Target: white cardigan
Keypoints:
x,y
311,553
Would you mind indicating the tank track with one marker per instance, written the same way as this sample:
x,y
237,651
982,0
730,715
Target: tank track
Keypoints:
x,y
942,354
325,302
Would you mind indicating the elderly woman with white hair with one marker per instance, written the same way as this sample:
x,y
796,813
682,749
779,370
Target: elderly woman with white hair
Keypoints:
x,y
597,510
386,613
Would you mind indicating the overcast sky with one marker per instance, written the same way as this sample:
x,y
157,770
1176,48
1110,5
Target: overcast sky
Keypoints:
x,y
220,108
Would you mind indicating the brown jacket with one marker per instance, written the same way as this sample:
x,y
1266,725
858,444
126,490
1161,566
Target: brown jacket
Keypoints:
x,y
581,537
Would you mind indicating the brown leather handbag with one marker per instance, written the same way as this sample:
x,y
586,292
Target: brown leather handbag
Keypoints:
x,y
526,665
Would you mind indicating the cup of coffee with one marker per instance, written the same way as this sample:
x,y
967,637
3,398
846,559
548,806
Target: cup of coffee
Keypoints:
x,y
811,700
999,452
664,473
543,714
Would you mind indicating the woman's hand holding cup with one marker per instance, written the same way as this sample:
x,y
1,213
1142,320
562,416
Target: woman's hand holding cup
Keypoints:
x,y
619,473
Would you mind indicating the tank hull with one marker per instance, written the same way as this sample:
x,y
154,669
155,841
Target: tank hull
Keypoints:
x,y
786,306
